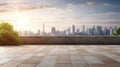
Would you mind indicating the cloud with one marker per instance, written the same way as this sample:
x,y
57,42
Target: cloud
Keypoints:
x,y
99,18
108,15
107,4
59,13
33,7
3,4
21,6
90,3
3,10
103,17
70,7
82,5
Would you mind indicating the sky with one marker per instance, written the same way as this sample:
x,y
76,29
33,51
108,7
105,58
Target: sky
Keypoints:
x,y
32,14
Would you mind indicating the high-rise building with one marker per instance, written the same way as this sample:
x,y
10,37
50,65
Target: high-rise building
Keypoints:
x,y
38,31
77,31
68,31
53,31
43,29
107,31
58,32
73,29
92,31
99,30
26,33
64,32
31,33
83,29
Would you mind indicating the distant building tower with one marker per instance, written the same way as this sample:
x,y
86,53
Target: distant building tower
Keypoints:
x,y
77,31
68,31
64,32
26,33
94,30
106,31
99,30
53,31
43,29
83,29
38,31
111,30
73,29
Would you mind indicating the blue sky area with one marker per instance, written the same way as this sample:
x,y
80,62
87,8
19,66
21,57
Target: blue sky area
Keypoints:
x,y
60,13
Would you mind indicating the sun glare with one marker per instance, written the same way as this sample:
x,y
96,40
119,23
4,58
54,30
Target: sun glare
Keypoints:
x,y
21,21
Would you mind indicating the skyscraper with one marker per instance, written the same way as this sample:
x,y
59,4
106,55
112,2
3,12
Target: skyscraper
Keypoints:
x,y
43,29
99,30
38,31
53,31
73,29
83,29
69,31
77,30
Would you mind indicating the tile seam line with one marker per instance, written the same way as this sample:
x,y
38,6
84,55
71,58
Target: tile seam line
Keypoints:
x,y
86,61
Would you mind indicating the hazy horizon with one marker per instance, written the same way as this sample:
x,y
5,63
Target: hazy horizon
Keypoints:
x,y
32,14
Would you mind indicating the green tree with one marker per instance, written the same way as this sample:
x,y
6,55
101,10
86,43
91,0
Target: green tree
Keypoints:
x,y
8,36
117,32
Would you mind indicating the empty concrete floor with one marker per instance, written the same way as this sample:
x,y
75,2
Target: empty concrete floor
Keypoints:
x,y
60,56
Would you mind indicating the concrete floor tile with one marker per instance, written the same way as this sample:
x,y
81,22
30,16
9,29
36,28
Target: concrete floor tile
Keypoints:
x,y
63,65
93,60
60,56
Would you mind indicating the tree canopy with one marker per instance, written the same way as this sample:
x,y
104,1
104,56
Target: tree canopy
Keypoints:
x,y
117,32
8,36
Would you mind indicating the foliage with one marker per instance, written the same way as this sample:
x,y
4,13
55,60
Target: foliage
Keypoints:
x,y
8,36
117,32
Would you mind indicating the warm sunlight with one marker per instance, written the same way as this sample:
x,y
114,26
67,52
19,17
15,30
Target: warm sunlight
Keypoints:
x,y
30,15
21,20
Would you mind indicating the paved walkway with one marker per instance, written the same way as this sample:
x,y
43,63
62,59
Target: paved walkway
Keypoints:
x,y
60,56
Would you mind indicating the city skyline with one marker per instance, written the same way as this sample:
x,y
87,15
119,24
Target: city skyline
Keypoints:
x,y
72,30
32,14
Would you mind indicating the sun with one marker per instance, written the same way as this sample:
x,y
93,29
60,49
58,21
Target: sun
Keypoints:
x,y
21,20
21,23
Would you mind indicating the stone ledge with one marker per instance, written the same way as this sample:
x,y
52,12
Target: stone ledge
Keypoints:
x,y
70,39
